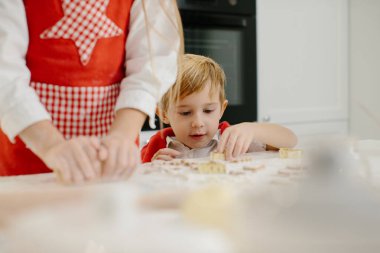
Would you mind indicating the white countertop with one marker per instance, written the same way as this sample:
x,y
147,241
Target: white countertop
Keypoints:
x,y
144,211
171,207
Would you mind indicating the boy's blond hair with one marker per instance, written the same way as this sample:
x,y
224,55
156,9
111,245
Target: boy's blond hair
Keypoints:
x,y
195,71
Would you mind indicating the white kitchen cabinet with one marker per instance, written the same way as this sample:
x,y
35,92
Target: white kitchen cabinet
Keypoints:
x,y
303,64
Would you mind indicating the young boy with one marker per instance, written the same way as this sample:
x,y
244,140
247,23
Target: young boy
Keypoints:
x,y
194,119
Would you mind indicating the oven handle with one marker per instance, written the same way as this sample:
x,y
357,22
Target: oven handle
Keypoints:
x,y
213,20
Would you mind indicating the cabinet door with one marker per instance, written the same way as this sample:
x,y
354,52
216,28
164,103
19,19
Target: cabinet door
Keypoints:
x,y
302,61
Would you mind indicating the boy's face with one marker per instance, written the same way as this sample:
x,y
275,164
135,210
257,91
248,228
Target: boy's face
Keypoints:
x,y
195,118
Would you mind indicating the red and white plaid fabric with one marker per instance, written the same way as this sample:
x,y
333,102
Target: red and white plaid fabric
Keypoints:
x,y
79,111
84,22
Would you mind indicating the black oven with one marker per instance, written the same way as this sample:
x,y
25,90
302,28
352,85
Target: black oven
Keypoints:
x,y
225,30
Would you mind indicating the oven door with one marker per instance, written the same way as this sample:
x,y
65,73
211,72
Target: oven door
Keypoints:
x,y
230,40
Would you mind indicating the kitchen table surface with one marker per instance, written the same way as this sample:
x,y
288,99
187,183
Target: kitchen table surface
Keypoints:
x,y
163,207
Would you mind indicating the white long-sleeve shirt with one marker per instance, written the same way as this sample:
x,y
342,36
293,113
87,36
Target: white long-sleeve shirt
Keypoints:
x,y
151,63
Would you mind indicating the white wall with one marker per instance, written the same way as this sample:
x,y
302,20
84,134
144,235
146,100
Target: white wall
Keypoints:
x,y
365,68
303,65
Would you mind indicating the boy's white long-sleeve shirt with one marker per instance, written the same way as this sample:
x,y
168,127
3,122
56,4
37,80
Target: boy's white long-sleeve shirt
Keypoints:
x,y
151,63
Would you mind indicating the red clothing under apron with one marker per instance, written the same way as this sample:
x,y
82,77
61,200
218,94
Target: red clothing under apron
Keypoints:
x,y
76,56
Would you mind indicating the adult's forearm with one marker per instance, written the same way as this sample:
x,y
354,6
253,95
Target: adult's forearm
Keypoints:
x,y
41,136
128,123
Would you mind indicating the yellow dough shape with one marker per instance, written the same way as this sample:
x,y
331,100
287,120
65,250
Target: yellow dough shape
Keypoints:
x,y
212,167
213,205
217,156
290,153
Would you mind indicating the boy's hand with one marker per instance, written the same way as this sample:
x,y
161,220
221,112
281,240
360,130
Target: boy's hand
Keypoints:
x,y
236,140
75,160
166,154
120,156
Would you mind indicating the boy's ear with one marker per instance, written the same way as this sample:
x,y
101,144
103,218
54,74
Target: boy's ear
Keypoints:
x,y
224,106
162,115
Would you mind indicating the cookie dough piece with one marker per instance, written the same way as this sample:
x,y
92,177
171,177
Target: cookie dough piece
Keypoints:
x,y
214,156
254,168
212,168
290,153
214,205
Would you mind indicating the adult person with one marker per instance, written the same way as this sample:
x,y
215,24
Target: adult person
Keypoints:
x,y
72,71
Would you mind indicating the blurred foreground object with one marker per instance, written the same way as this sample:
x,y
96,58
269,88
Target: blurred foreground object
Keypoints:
x,y
332,210
369,155
214,205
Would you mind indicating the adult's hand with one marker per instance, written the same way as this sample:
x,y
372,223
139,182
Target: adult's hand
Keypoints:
x,y
120,156
75,160
119,152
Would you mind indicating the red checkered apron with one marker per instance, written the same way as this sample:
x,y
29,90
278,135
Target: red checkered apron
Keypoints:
x,y
76,56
